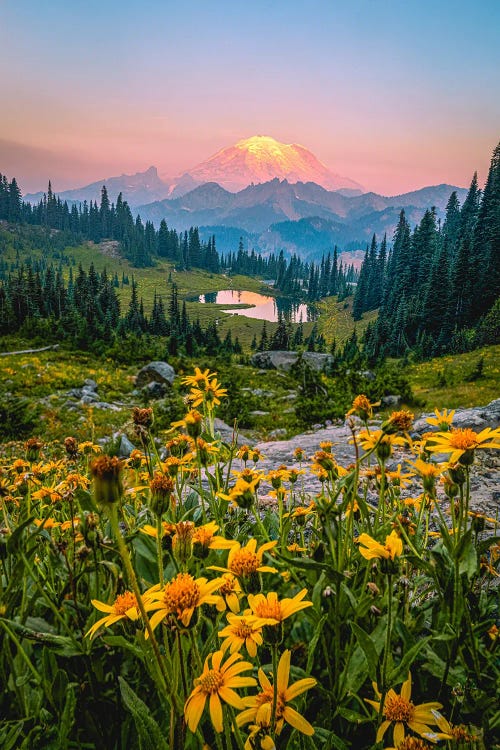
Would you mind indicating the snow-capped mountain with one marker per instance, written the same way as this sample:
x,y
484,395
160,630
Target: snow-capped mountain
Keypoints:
x,y
262,158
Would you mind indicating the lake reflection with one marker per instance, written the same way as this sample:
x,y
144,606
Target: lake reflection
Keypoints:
x,y
262,307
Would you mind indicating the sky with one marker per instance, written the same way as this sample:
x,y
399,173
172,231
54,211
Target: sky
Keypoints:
x,y
394,94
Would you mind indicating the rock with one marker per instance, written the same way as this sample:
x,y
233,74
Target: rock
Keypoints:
x,y
74,393
159,372
280,432
392,400
227,433
89,398
155,390
258,413
368,375
477,418
281,360
105,406
289,396
258,392
274,360
90,384
125,447
317,360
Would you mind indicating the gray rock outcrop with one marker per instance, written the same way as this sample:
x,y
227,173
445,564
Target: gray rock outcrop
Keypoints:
x,y
281,360
158,372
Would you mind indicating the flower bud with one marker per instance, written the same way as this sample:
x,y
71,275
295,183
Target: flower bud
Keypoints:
x,y
33,446
160,487
106,472
182,542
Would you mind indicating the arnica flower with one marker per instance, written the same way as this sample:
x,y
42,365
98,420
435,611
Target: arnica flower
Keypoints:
x,y
411,743
300,513
181,445
205,538
71,446
428,472
124,607
242,630
242,494
299,454
442,419
275,610
259,708
199,379
462,442
180,598
371,549
277,476
207,452
192,423
399,421
210,395
182,541
379,441
259,738
362,407
106,471
245,561
229,594
456,733
217,681
33,446
143,421
402,713
161,487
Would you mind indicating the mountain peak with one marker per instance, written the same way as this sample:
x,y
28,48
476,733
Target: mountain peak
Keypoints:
x,y
261,158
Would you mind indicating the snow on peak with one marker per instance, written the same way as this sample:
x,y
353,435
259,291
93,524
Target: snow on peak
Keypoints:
x,y
262,158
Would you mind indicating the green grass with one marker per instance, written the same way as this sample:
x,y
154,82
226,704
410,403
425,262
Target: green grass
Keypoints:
x,y
444,381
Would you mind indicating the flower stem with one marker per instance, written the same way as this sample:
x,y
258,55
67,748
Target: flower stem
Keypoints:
x,y
124,554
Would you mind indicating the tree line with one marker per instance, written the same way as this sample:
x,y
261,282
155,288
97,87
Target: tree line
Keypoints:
x,y
437,288
85,311
142,244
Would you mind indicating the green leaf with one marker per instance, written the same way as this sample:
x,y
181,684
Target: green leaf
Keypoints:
x,y
67,718
400,672
149,733
314,641
85,501
15,539
369,649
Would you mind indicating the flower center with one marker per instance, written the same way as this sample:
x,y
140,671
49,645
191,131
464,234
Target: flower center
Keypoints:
x,y
269,609
244,563
228,586
124,602
398,709
182,593
463,438
267,697
413,743
211,681
243,629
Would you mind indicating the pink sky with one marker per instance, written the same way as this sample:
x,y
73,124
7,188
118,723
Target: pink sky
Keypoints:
x,y
394,96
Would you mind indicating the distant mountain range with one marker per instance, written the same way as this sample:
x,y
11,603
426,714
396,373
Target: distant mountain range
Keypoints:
x,y
303,218
285,199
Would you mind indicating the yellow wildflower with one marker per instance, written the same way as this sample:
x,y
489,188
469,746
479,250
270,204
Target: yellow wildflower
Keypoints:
x,y
217,681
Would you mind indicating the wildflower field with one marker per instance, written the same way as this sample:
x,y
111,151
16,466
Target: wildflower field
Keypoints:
x,y
183,598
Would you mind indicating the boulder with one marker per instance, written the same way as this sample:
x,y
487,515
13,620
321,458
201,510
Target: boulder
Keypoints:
x,y
227,433
476,418
392,400
155,390
281,360
158,372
